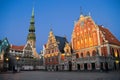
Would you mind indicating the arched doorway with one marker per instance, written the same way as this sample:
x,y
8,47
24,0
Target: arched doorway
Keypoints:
x,y
85,66
56,68
70,66
93,66
78,66
52,67
62,67
106,66
101,66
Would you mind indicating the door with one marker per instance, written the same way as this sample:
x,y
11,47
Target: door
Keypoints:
x,y
70,66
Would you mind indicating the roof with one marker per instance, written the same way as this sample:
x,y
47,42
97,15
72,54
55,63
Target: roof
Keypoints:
x,y
61,42
18,48
109,36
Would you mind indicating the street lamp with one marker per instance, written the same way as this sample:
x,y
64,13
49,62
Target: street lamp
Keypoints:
x,y
7,59
17,58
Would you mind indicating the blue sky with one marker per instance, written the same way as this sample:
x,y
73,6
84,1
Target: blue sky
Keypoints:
x,y
59,15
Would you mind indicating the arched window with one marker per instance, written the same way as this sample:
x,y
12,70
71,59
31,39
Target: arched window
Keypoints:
x,y
81,54
77,55
113,53
88,54
94,53
117,53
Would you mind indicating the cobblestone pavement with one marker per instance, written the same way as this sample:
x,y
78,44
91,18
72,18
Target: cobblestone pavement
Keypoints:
x,y
44,75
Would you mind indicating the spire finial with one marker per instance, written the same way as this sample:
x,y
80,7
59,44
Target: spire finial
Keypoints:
x,y
33,11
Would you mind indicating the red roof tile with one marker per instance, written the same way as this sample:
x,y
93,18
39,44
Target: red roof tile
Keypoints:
x,y
109,36
19,48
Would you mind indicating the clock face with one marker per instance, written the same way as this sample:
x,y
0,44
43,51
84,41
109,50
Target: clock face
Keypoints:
x,y
82,23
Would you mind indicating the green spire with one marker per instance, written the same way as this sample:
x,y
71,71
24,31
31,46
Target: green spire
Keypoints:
x,y
31,35
32,22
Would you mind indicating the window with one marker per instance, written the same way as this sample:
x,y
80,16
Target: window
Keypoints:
x,y
52,50
113,53
81,54
88,54
77,55
94,53
117,52
52,59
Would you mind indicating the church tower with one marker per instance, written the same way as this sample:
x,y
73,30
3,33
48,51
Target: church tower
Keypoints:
x,y
31,38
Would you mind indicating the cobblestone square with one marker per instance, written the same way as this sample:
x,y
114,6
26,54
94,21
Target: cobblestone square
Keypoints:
x,y
43,75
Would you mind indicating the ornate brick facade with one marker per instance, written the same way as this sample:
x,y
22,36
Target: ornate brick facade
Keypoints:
x,y
92,47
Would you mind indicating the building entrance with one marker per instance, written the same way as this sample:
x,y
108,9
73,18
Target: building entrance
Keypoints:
x,y
70,66
85,66
93,66
78,66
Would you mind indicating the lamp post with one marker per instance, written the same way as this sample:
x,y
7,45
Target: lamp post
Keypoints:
x,y
17,58
7,59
